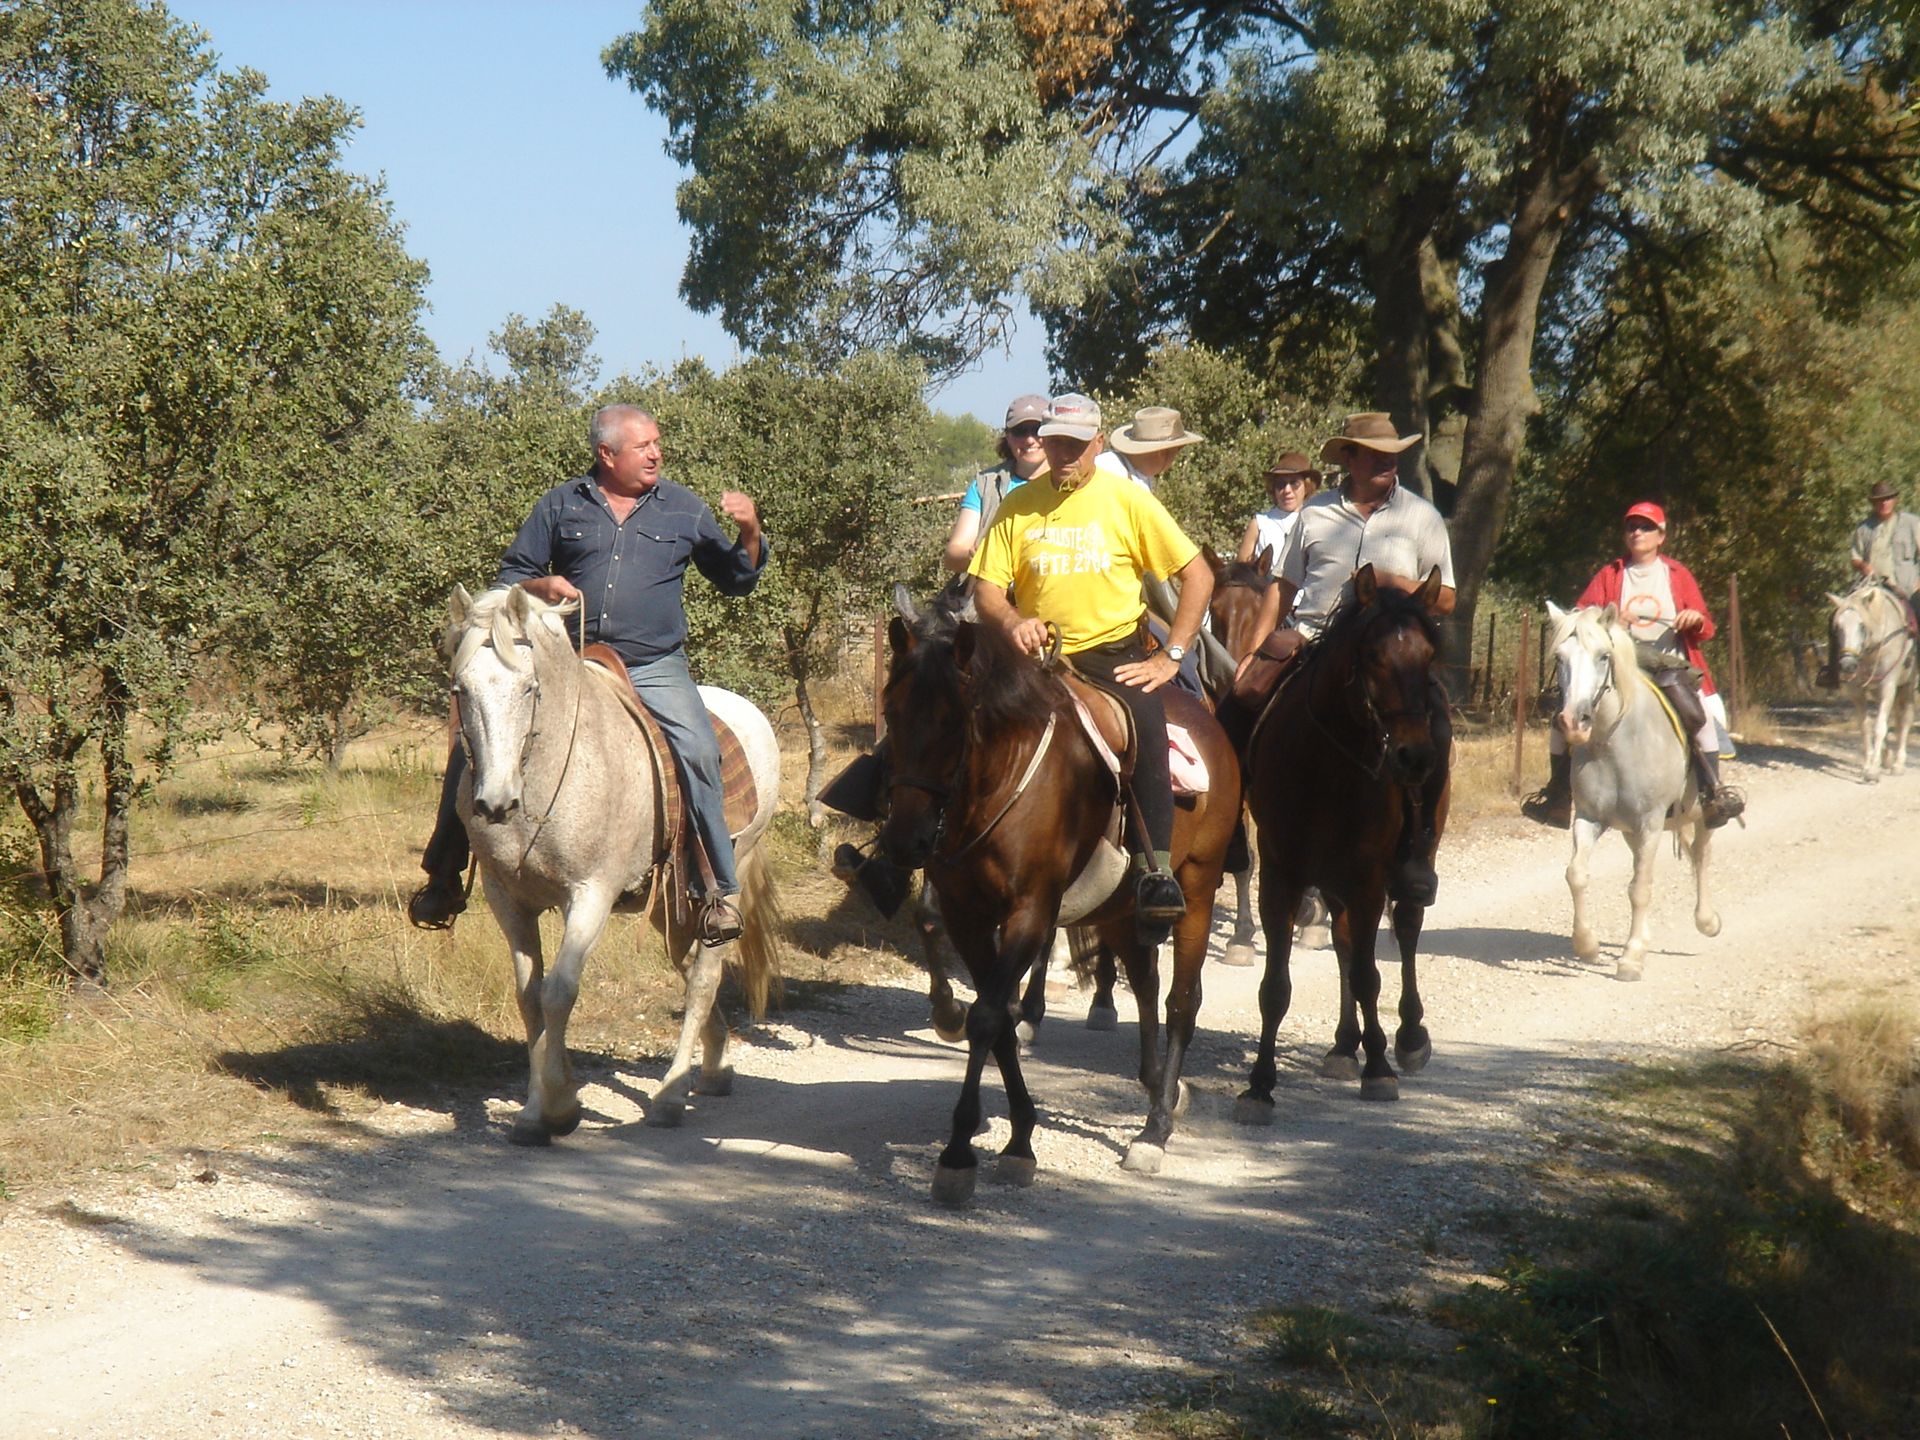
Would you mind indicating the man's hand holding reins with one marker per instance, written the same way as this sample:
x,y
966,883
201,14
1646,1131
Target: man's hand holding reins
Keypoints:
x,y
551,588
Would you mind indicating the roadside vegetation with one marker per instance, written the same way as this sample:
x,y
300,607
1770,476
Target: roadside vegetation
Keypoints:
x,y
1728,1248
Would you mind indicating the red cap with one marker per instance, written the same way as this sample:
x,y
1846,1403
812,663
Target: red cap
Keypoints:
x,y
1647,510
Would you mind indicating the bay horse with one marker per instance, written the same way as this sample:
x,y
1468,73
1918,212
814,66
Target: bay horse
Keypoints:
x,y
998,793
1327,766
559,804
1239,589
1878,667
1630,770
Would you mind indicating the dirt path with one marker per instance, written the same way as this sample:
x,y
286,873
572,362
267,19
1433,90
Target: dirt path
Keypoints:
x,y
776,1269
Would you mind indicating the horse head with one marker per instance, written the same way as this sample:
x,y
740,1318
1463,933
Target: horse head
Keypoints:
x,y
1848,626
925,705
1389,640
500,645
1239,589
1590,650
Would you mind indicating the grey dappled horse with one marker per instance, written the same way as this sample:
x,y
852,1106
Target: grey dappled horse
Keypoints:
x,y
1879,669
1630,773
559,804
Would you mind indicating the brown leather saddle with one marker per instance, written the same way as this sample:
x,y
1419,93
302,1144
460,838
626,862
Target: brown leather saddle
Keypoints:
x,y
1110,716
676,845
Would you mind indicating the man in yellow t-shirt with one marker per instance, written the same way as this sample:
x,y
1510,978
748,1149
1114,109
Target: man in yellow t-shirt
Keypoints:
x,y
1073,545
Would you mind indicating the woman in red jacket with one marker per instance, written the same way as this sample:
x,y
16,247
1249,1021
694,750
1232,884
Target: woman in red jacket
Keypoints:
x,y
1661,604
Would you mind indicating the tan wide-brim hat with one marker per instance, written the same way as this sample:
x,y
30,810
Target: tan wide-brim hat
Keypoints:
x,y
1292,463
1369,430
1154,428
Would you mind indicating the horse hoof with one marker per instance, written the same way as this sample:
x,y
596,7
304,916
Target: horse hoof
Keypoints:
x,y
1144,1158
1414,1060
667,1114
1182,1101
1316,937
1588,953
1238,955
954,1187
720,1082
1708,925
1026,1032
1629,970
1336,1066
1380,1087
1252,1110
1103,1017
1015,1170
530,1133
562,1124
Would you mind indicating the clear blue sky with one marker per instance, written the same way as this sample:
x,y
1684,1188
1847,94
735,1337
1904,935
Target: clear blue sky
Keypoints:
x,y
524,176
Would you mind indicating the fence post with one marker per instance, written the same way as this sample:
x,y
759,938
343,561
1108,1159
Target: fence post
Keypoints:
x,y
879,678
1493,629
1736,657
1520,702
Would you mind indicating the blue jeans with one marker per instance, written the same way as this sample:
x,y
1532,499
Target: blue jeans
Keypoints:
x,y
665,686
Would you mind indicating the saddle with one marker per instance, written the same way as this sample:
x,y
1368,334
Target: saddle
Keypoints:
x,y
1109,726
676,846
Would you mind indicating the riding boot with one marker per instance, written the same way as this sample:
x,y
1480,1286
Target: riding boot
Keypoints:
x,y
1718,803
1553,804
884,882
860,790
1158,899
435,904
1829,676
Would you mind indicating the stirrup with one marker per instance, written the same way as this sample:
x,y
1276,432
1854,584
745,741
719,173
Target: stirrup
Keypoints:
x,y
435,904
720,921
1158,899
1726,803
1549,808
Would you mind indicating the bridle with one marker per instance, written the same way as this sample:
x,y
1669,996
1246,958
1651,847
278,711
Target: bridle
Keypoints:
x,y
1860,656
1361,707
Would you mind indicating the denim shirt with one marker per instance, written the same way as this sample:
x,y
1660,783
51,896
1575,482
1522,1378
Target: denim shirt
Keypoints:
x,y
629,573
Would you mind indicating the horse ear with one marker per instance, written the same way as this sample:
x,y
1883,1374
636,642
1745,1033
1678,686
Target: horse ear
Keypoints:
x,y
1610,615
903,602
1555,613
1429,592
1835,600
1214,562
899,635
1365,586
459,604
1263,562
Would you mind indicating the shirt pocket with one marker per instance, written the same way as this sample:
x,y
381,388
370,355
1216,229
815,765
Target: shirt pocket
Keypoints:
x,y
666,538
574,543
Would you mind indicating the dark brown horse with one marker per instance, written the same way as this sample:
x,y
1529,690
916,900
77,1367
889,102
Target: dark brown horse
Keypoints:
x,y
1000,795
1328,766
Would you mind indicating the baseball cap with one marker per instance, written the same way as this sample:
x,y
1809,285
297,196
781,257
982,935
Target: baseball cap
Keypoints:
x,y
1025,409
1072,414
1647,510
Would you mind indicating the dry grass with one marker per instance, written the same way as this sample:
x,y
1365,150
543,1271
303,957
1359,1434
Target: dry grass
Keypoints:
x,y
266,985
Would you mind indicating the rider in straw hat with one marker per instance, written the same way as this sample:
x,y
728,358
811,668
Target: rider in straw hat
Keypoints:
x,y
1370,518
1146,447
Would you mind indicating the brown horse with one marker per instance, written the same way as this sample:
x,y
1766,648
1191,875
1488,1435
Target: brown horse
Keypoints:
x,y
1328,766
1000,795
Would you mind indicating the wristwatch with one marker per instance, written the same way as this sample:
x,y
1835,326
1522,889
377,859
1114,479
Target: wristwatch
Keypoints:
x,y
1176,653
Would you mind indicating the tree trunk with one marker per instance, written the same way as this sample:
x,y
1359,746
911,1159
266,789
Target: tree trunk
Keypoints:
x,y
1421,379
337,739
1504,400
800,667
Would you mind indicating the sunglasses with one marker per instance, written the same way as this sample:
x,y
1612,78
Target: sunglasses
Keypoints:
x,y
1641,525
1285,482
1024,432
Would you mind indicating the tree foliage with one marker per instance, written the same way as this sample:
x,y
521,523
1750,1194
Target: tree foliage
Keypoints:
x,y
198,310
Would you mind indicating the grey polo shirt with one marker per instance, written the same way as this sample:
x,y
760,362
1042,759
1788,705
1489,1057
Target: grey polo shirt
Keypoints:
x,y
1332,539
1893,549
629,572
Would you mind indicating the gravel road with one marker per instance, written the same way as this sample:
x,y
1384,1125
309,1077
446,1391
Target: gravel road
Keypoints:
x,y
776,1269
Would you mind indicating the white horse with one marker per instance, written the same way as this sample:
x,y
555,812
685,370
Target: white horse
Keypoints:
x,y
1879,669
1630,773
559,803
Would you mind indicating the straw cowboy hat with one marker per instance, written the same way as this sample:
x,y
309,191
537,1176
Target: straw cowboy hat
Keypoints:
x,y
1369,430
1292,463
1154,428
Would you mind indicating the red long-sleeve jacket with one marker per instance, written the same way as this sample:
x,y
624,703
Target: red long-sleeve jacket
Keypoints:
x,y
1604,589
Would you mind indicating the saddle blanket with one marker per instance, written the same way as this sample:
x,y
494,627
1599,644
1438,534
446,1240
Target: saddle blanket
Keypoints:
x,y
1185,765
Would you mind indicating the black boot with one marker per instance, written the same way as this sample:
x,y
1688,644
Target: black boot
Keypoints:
x,y
859,790
1553,805
1718,803
885,883
1158,901
434,904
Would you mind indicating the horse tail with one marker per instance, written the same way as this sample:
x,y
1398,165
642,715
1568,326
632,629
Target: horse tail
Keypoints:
x,y
763,923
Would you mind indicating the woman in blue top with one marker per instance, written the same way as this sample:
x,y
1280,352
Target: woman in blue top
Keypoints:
x,y
1021,458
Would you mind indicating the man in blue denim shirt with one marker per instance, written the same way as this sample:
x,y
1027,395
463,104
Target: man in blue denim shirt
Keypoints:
x,y
619,540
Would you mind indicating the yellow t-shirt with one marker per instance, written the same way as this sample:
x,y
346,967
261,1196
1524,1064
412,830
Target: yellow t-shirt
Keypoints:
x,y
1075,557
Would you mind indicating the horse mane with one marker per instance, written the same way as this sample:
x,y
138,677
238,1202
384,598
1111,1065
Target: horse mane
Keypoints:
x,y
1006,687
490,618
1244,574
1617,640
1346,620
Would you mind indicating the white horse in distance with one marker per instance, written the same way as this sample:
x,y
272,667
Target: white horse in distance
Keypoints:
x,y
1630,773
1879,669
559,803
